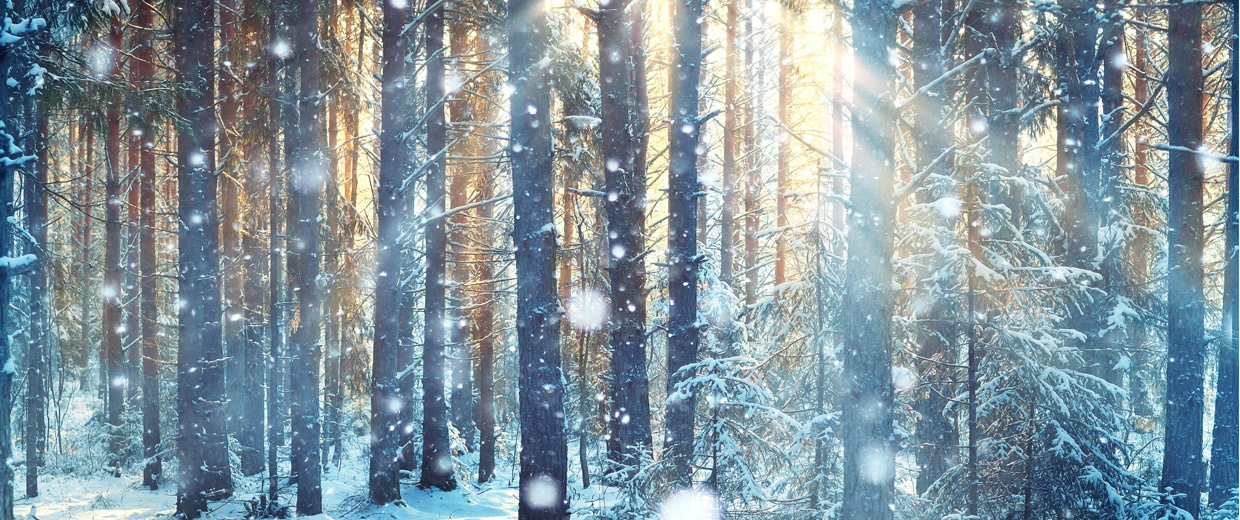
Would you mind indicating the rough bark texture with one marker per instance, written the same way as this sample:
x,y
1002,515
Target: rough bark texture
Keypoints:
x,y
114,366
544,449
385,399
36,355
462,355
624,134
1182,465
867,392
149,284
1224,452
7,171
683,334
229,157
437,465
200,428
483,333
935,436
309,169
277,247
727,233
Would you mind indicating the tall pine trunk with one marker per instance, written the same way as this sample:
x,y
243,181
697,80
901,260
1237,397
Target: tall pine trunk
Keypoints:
x,y
149,307
254,251
201,439
543,445
276,249
935,436
1224,452
727,236
624,133
40,303
684,136
1183,467
386,401
869,302
309,169
437,465
462,355
115,368
484,326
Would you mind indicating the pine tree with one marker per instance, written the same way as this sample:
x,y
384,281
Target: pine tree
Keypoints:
x,y
624,134
114,378
1183,467
309,169
144,66
684,136
1224,452
869,456
935,434
543,446
385,399
437,466
200,435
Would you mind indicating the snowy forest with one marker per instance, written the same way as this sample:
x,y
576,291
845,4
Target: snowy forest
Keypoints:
x,y
619,259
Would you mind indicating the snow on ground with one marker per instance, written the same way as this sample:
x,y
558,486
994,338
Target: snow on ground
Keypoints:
x,y
74,485
103,497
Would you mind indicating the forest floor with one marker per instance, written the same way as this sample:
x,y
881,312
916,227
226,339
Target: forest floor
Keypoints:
x,y
74,485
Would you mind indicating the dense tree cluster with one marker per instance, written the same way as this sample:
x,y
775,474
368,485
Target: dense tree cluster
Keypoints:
x,y
864,259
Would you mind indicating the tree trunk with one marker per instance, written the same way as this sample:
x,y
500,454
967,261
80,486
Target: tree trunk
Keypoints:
x,y
867,392
88,195
115,378
727,233
147,265
485,338
684,137
200,436
308,169
437,465
385,398
277,248
40,302
260,171
462,356
230,176
785,27
1182,465
1224,452
543,447
935,436
749,167
624,133
7,171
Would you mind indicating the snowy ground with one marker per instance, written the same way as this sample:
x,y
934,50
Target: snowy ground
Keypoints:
x,y
344,497
74,487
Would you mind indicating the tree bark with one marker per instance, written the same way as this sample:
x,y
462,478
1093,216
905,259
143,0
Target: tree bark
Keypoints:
x,y
1182,465
462,355
484,336
624,135
309,170
201,438
1224,452
115,368
437,465
544,449
727,233
935,436
386,401
869,453
147,266
254,249
684,137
